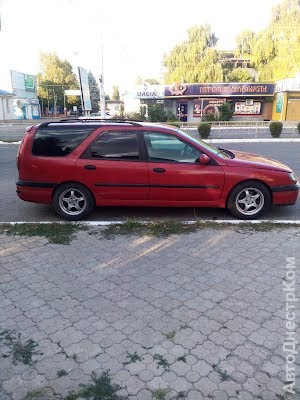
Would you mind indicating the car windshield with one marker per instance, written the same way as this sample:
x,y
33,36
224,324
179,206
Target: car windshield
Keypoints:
x,y
215,150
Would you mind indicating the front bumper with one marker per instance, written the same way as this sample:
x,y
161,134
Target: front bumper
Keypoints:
x,y
285,195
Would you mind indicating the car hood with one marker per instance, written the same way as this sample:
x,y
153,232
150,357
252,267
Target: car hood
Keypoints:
x,y
244,159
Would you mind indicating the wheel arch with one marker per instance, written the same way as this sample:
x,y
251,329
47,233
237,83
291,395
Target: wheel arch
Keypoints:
x,y
250,180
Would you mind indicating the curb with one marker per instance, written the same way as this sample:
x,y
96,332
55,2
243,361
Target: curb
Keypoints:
x,y
107,223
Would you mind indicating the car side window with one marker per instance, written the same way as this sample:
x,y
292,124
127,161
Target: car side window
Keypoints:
x,y
168,148
115,145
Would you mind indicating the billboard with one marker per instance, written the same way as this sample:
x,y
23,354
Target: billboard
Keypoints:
x,y
23,85
85,89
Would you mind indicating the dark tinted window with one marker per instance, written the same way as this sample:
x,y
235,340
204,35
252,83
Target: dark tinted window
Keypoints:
x,y
116,145
59,141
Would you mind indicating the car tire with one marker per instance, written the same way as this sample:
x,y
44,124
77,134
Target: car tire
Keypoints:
x,y
249,200
73,201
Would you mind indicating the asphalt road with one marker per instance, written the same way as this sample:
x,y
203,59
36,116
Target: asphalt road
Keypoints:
x,y
14,209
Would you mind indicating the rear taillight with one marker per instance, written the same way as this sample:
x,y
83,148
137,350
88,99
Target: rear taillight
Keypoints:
x,y
21,147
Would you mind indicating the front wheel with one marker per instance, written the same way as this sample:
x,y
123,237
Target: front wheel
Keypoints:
x,y
249,200
73,201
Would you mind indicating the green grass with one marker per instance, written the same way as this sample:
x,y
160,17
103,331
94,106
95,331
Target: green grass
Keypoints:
x,y
101,388
61,372
54,232
132,358
159,394
223,374
20,351
10,140
161,362
174,227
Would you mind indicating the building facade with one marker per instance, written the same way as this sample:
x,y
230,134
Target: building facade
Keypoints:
x,y
286,106
192,102
6,106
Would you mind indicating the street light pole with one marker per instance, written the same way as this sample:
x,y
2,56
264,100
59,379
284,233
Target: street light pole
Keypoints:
x,y
101,80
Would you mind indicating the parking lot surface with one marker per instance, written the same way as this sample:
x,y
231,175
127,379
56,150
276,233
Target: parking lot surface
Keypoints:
x,y
191,316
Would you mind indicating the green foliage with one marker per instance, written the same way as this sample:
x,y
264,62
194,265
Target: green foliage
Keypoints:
x,y
61,372
204,130
275,128
156,113
115,93
171,117
298,127
20,352
275,51
225,112
239,75
160,394
94,92
132,358
101,388
56,76
161,362
54,232
244,44
176,124
195,59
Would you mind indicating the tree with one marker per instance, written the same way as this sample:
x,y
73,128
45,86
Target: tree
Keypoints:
x,y
275,51
94,92
115,93
239,75
244,43
56,76
195,59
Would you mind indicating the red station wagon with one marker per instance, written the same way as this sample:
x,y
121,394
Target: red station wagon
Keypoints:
x,y
77,165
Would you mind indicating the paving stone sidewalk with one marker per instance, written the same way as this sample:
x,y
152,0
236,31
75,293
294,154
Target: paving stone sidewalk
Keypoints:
x,y
201,315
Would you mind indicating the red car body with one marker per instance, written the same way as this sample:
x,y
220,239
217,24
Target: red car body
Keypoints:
x,y
147,183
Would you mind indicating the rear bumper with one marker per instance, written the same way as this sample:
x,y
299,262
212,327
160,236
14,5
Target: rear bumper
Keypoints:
x,y
285,195
35,192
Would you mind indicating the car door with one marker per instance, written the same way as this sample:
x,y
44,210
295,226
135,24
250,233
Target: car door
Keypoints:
x,y
175,174
112,167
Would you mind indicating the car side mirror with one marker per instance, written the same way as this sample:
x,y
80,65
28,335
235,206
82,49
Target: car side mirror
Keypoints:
x,y
204,159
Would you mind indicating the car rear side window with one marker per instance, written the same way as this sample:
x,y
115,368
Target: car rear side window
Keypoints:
x,y
59,141
115,145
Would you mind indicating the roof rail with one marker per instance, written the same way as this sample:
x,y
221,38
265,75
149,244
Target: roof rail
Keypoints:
x,y
112,120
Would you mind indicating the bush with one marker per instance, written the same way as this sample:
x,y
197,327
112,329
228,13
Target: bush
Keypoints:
x,y
176,124
275,128
225,112
156,113
171,117
298,127
204,130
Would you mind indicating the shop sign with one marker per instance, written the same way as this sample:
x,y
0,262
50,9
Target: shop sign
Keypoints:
x,y
220,89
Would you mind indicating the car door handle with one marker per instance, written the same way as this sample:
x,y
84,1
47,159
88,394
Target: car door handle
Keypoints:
x,y
90,166
159,170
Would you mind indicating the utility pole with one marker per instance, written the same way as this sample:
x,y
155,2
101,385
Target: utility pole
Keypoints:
x,y
101,80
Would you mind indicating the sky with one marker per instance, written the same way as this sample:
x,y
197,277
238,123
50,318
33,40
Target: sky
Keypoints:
x,y
135,34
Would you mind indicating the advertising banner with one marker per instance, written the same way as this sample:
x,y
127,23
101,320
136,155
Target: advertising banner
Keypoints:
x,y
242,108
206,106
23,85
85,89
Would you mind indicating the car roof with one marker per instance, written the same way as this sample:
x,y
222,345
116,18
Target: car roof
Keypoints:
x,y
105,122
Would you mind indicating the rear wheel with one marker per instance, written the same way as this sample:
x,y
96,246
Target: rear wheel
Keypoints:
x,y
249,200
73,201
